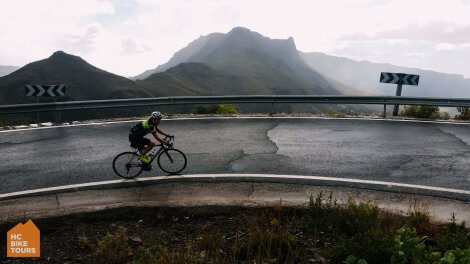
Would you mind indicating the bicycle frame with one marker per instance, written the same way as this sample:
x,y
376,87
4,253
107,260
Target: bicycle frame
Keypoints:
x,y
162,148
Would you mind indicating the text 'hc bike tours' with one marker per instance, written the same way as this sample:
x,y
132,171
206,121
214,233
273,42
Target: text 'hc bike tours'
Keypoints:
x,y
23,241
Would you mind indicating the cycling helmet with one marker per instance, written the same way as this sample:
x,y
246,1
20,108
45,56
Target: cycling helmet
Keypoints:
x,y
156,114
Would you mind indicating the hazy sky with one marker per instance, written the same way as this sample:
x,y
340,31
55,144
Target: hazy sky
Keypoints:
x,y
129,36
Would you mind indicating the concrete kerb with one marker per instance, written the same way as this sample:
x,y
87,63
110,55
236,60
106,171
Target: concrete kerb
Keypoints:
x,y
225,189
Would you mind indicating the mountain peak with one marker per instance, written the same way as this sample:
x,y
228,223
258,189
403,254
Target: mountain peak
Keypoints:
x,y
61,55
240,30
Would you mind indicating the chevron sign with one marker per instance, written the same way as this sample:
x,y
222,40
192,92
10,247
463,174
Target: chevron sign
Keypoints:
x,y
399,78
45,90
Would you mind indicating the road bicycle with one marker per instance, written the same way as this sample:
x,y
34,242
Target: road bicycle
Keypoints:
x,y
169,159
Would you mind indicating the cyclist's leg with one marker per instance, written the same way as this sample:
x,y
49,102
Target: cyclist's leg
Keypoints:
x,y
145,145
149,146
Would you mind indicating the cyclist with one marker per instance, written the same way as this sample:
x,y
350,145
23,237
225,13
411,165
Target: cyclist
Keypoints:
x,y
144,145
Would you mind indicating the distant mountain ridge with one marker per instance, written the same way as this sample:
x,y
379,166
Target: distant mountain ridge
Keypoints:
x,y
7,69
84,81
270,66
364,75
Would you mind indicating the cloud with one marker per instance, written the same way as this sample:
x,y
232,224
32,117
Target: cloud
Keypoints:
x,y
437,32
370,3
445,46
444,57
129,47
80,43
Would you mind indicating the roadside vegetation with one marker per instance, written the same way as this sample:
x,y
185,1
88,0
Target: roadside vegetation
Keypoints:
x,y
220,109
420,111
324,232
464,113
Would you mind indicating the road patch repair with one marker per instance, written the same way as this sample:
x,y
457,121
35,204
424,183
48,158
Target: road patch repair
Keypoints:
x,y
248,190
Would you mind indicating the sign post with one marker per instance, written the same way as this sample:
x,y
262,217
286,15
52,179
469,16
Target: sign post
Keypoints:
x,y
39,90
399,79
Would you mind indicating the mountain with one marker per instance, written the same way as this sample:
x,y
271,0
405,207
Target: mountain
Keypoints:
x,y
184,54
83,80
5,70
365,75
193,78
243,62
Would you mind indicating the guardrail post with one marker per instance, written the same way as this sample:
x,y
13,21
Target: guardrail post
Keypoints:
x,y
37,101
385,111
58,113
272,109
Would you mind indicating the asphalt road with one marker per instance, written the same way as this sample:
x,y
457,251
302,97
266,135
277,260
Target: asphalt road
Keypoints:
x,y
406,152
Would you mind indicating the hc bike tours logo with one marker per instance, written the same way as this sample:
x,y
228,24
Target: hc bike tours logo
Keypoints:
x,y
23,241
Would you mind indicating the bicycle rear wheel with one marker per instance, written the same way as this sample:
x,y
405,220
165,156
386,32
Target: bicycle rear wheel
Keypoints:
x,y
172,161
126,165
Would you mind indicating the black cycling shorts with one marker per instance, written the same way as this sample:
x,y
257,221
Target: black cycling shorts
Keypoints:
x,y
138,142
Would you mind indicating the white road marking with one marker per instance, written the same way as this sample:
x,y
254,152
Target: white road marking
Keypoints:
x,y
231,175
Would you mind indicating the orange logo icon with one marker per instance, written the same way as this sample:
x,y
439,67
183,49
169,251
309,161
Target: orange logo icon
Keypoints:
x,y
23,241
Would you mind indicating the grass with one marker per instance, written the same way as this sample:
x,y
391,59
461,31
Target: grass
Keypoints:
x,y
353,233
326,231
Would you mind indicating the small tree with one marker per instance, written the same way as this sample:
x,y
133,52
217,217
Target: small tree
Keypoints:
x,y
464,113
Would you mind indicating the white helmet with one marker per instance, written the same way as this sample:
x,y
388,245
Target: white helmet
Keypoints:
x,y
156,114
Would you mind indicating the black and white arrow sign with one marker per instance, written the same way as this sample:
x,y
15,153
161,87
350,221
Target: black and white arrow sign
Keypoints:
x,y
399,78
388,77
410,79
45,90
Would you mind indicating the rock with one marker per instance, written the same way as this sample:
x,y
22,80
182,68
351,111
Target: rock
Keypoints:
x,y
140,221
47,124
34,125
429,241
20,127
136,240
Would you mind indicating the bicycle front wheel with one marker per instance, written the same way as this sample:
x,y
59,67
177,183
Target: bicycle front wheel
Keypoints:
x,y
126,165
172,161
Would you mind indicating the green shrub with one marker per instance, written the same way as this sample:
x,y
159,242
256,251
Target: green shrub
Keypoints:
x,y
323,214
418,219
464,113
266,242
420,111
374,246
361,217
204,109
456,256
220,109
453,236
149,255
113,248
353,260
408,248
226,109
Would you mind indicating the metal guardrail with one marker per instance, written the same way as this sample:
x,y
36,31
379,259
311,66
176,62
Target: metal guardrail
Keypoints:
x,y
185,100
